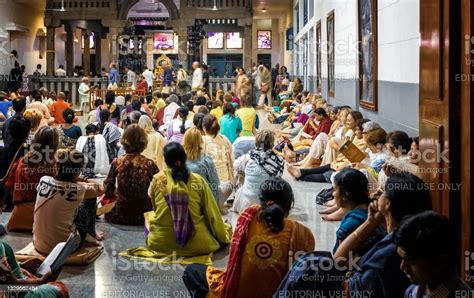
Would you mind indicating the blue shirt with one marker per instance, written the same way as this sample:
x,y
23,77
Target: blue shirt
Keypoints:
x,y
114,76
4,105
231,126
351,221
380,274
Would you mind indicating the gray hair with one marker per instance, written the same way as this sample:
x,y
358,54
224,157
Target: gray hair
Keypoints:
x,y
368,126
173,98
135,117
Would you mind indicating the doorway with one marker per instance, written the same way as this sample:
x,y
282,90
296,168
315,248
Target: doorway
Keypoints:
x,y
223,65
266,59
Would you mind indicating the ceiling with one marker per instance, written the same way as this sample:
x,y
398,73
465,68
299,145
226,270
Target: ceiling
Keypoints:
x,y
275,8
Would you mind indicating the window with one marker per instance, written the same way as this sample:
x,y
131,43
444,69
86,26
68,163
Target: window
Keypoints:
x,y
318,56
305,12
368,54
331,51
215,40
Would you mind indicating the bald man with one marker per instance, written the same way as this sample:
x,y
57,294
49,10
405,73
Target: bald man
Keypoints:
x,y
58,108
197,75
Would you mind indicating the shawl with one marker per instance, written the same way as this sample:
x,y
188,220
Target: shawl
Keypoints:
x,y
237,248
269,161
176,196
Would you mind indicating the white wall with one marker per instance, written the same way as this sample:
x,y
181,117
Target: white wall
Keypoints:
x,y
26,43
399,40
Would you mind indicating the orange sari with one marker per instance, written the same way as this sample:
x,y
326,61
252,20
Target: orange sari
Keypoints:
x,y
258,252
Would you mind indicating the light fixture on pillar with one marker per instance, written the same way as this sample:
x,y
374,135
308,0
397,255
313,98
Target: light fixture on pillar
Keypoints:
x,y
62,6
215,5
264,10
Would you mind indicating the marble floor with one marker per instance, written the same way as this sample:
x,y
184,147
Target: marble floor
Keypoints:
x,y
113,276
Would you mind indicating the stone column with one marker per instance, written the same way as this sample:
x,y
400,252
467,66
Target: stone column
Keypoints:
x,y
248,47
50,50
183,49
69,49
86,58
113,48
98,53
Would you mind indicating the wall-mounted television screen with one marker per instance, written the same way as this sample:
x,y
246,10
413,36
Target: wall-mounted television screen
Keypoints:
x,y
233,40
215,40
264,39
163,41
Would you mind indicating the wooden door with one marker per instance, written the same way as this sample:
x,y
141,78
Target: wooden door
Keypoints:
x,y
445,113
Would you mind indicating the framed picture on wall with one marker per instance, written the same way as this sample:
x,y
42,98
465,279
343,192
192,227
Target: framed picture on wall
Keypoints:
x,y
215,40
163,41
233,40
367,17
264,39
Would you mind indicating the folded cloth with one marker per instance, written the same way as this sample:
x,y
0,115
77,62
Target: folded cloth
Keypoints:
x,y
83,256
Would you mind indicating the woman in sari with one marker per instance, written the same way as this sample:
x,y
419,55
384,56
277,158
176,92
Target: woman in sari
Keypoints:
x,y
111,134
261,252
94,147
185,221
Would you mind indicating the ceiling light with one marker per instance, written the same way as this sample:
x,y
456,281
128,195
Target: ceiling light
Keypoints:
x,y
264,10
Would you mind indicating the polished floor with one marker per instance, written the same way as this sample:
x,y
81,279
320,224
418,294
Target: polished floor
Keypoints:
x,y
113,276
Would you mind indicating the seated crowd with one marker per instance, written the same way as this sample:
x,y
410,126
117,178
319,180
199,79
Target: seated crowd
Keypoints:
x,y
175,164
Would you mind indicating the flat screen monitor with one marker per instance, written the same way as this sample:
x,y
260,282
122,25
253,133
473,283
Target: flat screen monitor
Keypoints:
x,y
233,40
215,40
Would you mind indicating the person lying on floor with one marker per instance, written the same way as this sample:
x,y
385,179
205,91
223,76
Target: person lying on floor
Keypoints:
x,y
425,246
58,201
185,221
378,270
261,252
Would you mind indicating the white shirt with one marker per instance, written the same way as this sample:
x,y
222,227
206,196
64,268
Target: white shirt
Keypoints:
x,y
149,77
168,115
182,75
197,78
83,92
60,72
131,77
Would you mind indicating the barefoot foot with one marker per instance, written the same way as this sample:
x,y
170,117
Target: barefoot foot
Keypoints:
x,y
335,216
294,171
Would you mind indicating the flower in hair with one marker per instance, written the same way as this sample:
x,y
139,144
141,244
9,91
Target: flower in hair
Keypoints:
x,y
270,203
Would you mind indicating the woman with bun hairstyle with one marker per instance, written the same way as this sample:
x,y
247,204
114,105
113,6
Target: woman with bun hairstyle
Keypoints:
x,y
261,251
69,132
185,221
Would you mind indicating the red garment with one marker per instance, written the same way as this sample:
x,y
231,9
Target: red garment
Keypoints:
x,y
324,126
159,116
237,247
27,179
142,86
57,110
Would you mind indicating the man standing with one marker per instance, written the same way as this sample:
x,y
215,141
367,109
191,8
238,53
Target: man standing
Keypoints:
x,y
38,72
16,78
149,78
113,75
197,75
205,78
131,77
60,72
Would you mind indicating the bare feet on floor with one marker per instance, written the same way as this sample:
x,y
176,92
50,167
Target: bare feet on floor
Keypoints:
x,y
335,216
329,210
294,171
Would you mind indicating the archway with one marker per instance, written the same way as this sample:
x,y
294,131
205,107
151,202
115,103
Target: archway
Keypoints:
x,y
169,4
